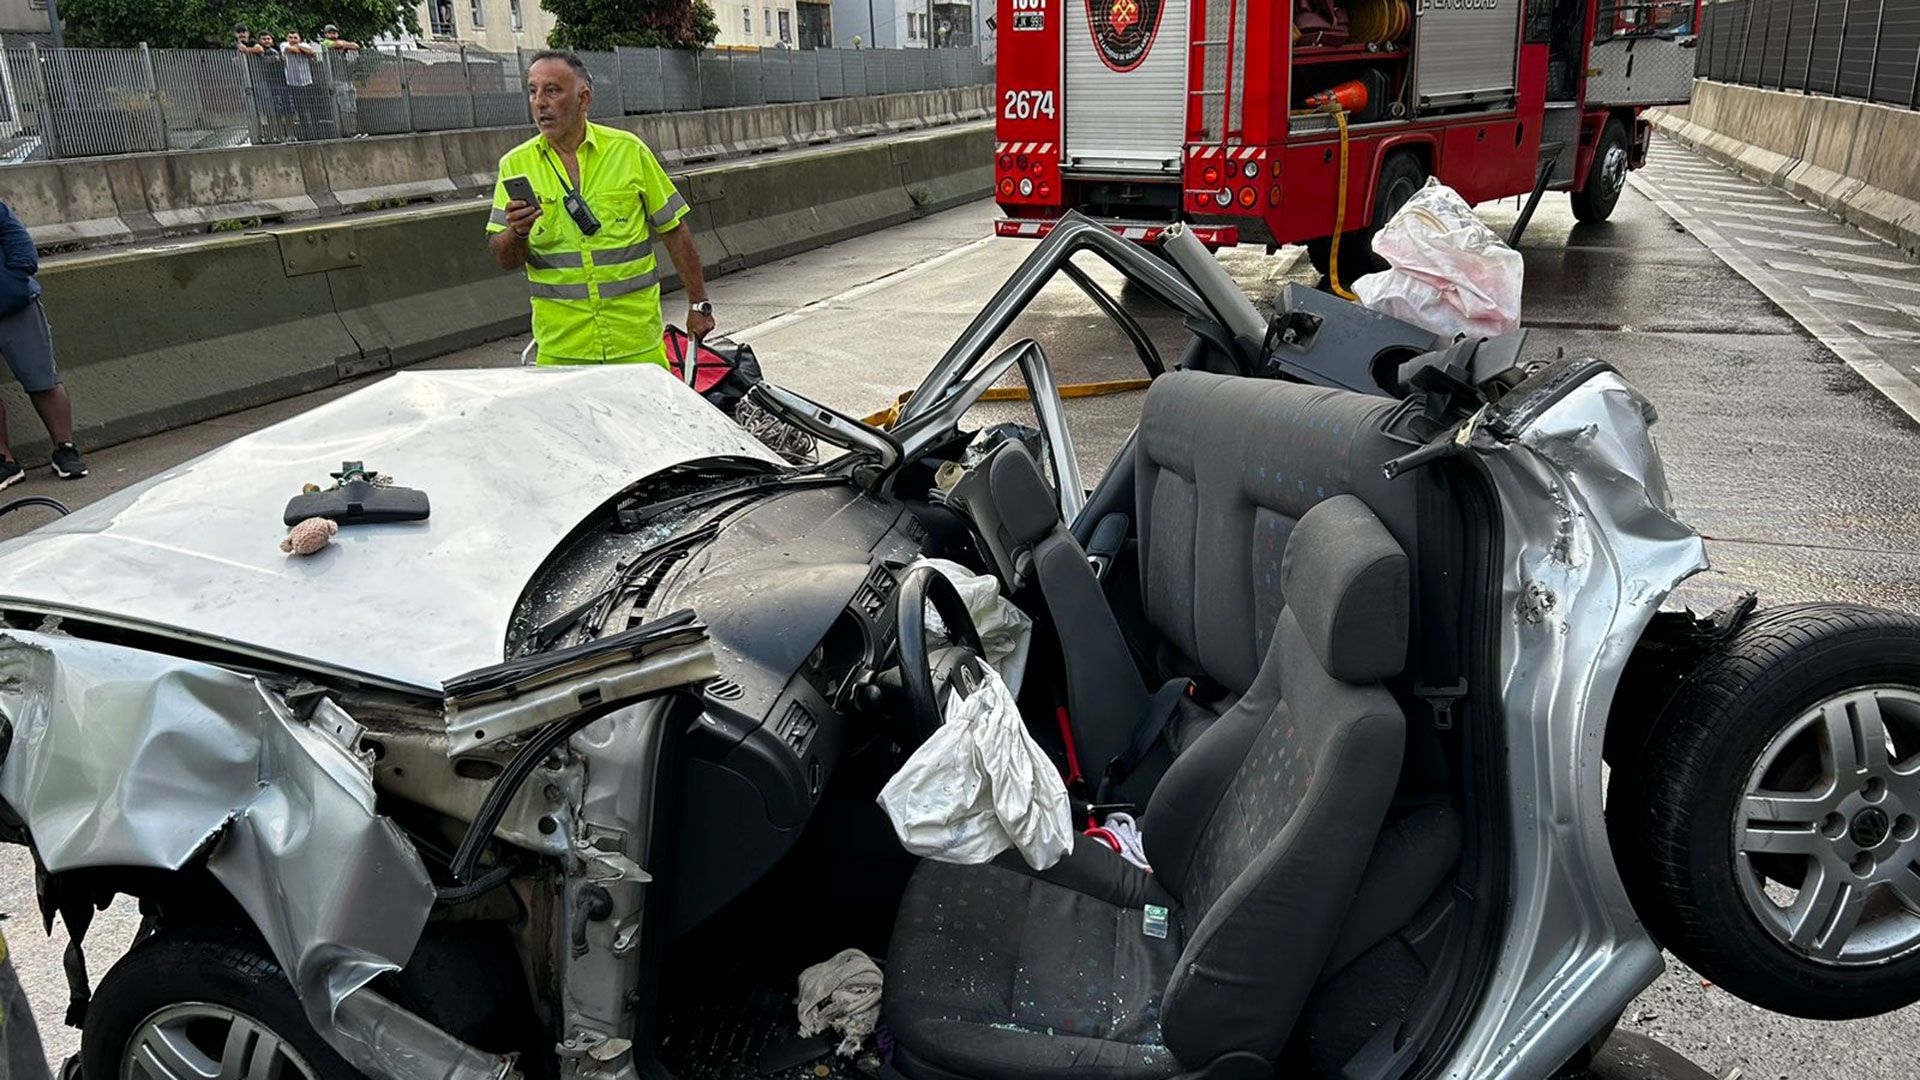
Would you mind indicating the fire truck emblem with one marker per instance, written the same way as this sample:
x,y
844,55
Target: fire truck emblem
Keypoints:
x,y
1123,30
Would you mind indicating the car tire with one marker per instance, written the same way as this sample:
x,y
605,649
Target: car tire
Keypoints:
x,y
1769,829
175,999
1606,177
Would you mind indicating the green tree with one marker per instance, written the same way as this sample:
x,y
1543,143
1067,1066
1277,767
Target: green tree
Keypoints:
x,y
604,24
187,24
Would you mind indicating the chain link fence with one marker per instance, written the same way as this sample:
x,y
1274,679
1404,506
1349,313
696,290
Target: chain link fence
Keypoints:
x,y
63,103
1865,49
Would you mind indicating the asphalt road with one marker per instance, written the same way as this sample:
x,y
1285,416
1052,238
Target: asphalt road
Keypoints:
x,y
1779,448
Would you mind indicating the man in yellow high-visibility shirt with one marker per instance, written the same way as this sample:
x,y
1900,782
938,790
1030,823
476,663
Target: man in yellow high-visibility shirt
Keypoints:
x,y
586,239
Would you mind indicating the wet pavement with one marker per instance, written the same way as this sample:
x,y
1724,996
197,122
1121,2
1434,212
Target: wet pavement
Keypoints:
x,y
1778,448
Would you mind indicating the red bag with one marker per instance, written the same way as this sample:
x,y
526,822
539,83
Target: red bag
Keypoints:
x,y
723,372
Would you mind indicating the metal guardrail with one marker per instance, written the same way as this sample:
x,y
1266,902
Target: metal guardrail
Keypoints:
x,y
1864,49
63,103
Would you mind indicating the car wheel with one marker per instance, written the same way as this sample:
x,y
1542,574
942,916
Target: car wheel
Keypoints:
x,y
1606,177
1770,832
184,1007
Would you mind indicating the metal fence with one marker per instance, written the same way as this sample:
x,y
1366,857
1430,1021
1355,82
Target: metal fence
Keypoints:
x,y
61,103
1865,49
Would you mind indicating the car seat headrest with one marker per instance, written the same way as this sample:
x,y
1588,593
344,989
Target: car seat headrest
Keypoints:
x,y
1345,579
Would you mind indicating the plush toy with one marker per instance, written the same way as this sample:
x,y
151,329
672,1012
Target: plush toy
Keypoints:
x,y
309,536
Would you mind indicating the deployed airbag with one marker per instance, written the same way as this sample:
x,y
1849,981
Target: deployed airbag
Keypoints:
x,y
980,785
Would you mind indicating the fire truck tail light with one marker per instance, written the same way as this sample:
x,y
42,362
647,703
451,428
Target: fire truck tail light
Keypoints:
x,y
1026,186
1248,197
1252,170
1273,197
1224,197
1020,163
1046,190
1006,162
1210,175
1006,185
1039,164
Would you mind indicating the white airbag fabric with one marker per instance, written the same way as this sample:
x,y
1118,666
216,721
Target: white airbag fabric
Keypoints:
x,y
980,785
1005,631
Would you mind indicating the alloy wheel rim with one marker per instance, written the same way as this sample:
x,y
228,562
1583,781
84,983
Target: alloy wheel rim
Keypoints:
x,y
199,1040
1826,838
1614,168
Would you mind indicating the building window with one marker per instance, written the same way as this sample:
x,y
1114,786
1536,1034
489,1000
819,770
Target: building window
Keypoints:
x,y
913,27
478,13
514,16
766,21
746,21
786,27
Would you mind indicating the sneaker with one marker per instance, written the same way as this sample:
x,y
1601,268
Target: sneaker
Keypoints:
x,y
10,473
66,462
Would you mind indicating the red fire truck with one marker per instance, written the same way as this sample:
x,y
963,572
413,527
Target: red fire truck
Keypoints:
x,y
1145,112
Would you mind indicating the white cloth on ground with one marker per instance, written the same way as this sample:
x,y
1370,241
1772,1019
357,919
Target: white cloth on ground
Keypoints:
x,y
843,995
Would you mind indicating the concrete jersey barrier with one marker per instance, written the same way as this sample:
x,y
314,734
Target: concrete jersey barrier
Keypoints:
x,y
156,338
134,197
1851,158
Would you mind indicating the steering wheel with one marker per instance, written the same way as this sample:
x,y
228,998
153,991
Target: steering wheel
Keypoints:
x,y
922,673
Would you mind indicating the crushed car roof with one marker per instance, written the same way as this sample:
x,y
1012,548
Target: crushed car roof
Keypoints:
x,y
512,459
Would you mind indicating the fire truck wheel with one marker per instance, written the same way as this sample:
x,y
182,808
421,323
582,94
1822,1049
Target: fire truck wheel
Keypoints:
x,y
1607,176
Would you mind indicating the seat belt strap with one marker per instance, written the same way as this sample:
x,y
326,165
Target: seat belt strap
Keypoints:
x,y
1161,708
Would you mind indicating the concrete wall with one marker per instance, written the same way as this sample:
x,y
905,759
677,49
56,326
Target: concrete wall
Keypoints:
x,y
155,338
108,200
1858,161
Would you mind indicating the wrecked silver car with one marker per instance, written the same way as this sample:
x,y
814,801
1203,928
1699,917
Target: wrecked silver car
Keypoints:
x,y
573,779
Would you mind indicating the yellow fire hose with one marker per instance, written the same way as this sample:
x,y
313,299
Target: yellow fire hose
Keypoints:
x,y
1339,115
889,416
1339,211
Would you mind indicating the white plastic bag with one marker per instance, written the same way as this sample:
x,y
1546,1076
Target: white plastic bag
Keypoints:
x,y
980,785
1451,274
1005,631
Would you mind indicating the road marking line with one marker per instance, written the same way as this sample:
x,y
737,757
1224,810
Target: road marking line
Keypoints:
x,y
1866,260
1729,204
865,288
1830,238
1842,275
1883,376
1847,256
1856,299
1889,333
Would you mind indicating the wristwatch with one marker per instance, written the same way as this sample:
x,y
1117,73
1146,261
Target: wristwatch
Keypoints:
x,y
704,307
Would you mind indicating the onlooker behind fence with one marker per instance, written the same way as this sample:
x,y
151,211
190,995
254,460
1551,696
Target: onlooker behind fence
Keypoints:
x,y
346,101
276,106
243,41
300,57
26,344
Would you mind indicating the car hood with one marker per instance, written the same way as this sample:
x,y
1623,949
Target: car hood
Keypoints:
x,y
512,459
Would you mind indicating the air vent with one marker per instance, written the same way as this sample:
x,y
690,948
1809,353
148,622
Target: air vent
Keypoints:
x,y
797,727
872,597
725,690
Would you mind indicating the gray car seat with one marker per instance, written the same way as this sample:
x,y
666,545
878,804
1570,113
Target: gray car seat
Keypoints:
x,y
1259,837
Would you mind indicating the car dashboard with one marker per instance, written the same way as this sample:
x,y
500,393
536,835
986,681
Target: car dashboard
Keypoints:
x,y
795,584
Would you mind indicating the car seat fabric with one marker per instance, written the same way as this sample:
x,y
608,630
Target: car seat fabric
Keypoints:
x,y
1226,467
1258,835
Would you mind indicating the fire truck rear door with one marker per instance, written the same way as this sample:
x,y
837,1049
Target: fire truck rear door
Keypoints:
x,y
1126,85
